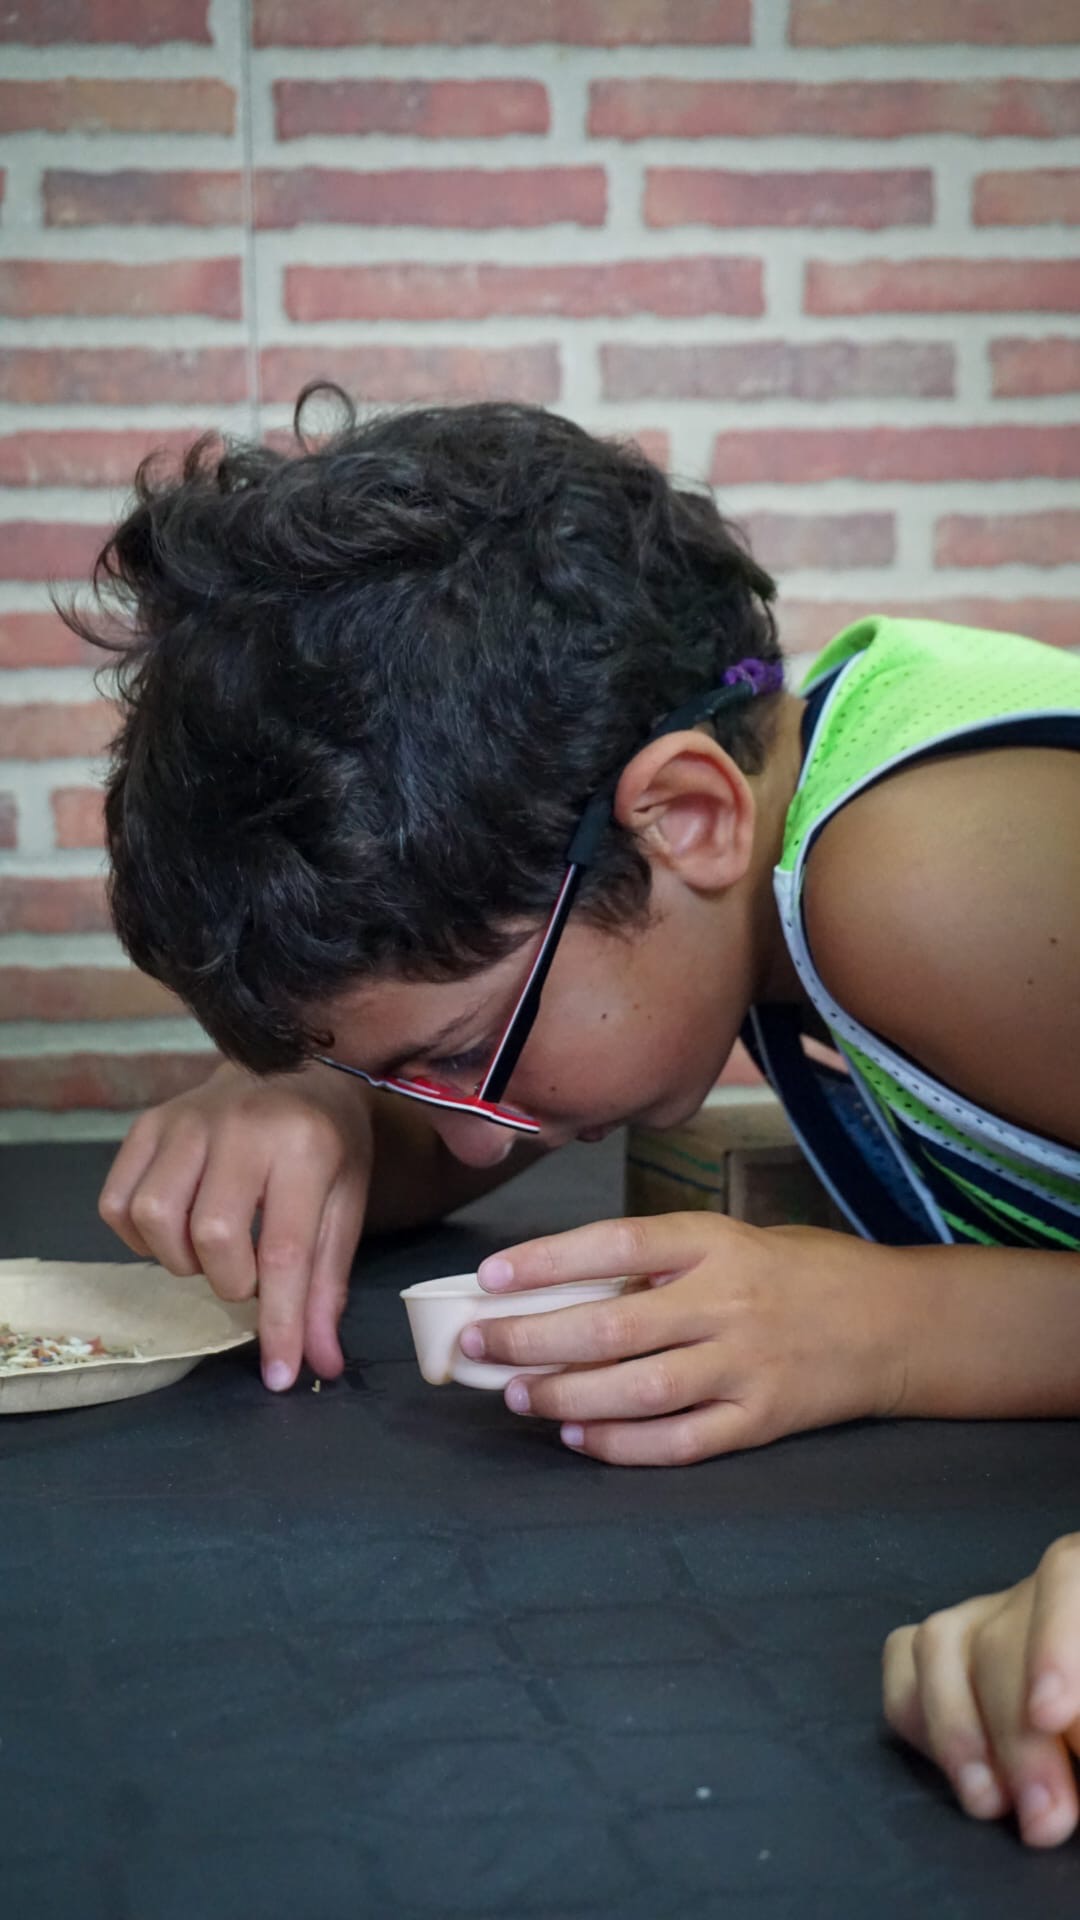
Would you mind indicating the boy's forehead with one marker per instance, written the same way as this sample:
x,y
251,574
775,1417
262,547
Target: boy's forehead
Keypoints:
x,y
389,1019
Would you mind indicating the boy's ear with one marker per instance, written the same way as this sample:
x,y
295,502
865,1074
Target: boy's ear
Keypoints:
x,y
691,808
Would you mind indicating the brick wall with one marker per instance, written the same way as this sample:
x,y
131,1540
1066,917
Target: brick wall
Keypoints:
x,y
821,252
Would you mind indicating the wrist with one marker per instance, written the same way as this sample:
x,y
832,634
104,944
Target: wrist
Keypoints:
x,y
873,1309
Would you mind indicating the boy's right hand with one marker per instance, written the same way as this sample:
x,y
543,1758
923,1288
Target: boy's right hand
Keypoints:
x,y
185,1187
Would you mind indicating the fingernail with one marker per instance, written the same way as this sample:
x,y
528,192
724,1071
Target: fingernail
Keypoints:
x,y
1034,1802
495,1273
977,1785
572,1436
517,1397
278,1376
1045,1692
472,1343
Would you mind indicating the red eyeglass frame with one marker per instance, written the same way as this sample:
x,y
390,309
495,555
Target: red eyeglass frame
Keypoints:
x,y
741,683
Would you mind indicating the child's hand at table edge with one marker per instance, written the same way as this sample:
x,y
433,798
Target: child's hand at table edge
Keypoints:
x,y
742,1334
990,1691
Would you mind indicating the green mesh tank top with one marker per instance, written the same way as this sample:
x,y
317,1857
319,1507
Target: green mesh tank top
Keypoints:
x,y
888,692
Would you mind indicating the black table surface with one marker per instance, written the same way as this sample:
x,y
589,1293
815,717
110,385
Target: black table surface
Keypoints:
x,y
387,1650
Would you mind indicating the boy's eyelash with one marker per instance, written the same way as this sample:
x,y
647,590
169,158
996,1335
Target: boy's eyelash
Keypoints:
x,y
461,1062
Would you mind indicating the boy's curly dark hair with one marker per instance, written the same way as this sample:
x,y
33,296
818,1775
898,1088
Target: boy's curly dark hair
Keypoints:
x,y
368,687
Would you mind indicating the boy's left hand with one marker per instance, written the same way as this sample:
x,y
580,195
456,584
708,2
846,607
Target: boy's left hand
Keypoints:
x,y
990,1690
741,1335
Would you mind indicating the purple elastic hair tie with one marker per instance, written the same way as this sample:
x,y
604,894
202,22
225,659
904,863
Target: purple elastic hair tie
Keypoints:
x,y
764,676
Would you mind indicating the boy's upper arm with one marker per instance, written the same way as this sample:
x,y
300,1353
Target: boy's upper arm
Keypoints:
x,y
943,912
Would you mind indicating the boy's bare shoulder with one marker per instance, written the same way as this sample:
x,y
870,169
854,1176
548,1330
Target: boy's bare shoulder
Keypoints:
x,y
943,910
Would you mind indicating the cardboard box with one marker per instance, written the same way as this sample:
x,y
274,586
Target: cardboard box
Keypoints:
x,y
737,1156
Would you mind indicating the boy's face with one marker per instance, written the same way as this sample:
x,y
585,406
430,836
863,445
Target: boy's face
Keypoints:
x,y
630,1028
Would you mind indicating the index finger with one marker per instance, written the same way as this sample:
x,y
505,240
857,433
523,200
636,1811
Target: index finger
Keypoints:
x,y
292,1212
665,1243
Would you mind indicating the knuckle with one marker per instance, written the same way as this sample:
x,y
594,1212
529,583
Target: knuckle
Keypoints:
x,y
1062,1555
631,1239
957,1748
896,1684
281,1258
991,1637
933,1637
619,1327
897,1643
150,1212
313,1136
280,1323
655,1390
145,1128
212,1233
508,1338
551,1261
685,1444
111,1208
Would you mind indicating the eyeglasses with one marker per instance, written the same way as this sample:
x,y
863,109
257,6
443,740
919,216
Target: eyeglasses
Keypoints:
x,y
740,683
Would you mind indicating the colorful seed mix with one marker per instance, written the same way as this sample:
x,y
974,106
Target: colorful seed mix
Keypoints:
x,y
24,1352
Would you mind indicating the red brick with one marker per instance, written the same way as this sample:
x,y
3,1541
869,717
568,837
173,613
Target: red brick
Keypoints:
x,y
47,550
424,109
83,993
82,288
117,106
676,196
507,23
655,444
92,458
42,640
1043,539
1041,196
739,1070
808,625
432,197
416,373
78,819
849,23
413,290
836,109
786,541
896,453
8,820
41,23
942,286
767,369
119,1082
49,730
53,906
142,196
122,376
1028,367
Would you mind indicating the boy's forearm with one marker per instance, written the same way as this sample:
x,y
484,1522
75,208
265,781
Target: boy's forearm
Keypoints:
x,y
984,1332
416,1179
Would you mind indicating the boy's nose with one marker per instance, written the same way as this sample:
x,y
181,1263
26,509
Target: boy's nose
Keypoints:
x,y
476,1143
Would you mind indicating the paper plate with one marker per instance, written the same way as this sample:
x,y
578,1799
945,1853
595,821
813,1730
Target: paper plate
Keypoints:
x,y
173,1322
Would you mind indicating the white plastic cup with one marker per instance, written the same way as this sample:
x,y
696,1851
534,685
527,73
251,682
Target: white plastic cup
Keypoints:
x,y
440,1310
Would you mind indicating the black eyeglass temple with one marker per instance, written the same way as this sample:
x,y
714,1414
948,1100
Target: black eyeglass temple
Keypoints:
x,y
495,1084
581,853
591,827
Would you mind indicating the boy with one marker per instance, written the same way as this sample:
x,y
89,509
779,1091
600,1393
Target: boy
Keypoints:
x,y
467,705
